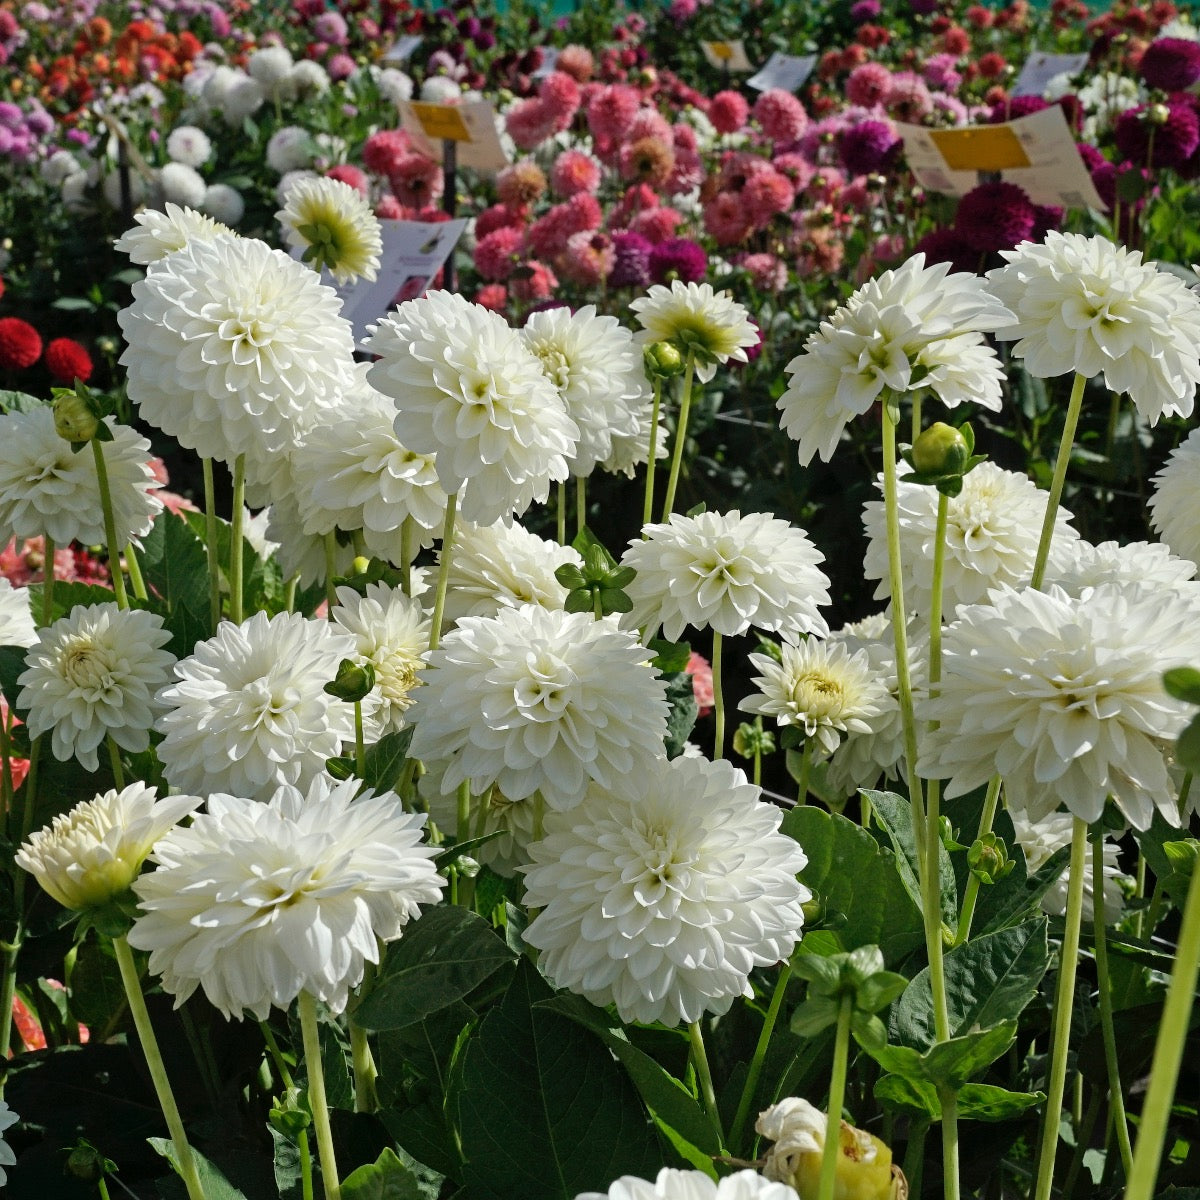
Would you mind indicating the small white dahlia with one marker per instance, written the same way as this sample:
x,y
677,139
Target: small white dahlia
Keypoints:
x,y
16,617
728,573
91,855
1063,697
992,531
303,554
48,488
532,700
672,1184
821,688
255,903
1087,566
334,226
94,674
156,234
1174,511
503,566
189,144
248,712
597,368
468,392
1085,305
694,317
663,901
181,184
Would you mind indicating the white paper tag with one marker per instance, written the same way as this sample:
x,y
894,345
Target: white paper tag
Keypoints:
x,y
471,126
549,62
727,56
786,71
1041,67
401,50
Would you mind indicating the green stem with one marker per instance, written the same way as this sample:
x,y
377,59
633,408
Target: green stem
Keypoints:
x,y
560,530
1116,1095
1068,960
685,408
307,1007
580,503
704,1075
135,573
648,505
366,1099
1056,484
48,581
114,757
306,1183
289,593
806,753
1083,1138
330,545
360,749
466,885
406,555
235,539
760,1054
986,818
916,416
950,1169
110,526
443,580
210,533
914,1156
158,1071
1168,1050
718,699
837,1096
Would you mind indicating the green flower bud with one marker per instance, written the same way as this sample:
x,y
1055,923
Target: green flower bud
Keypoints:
x,y
663,360
749,740
1158,114
87,1164
360,566
353,681
940,450
75,419
988,859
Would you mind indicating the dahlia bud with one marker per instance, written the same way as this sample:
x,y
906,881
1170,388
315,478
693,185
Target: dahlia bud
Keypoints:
x,y
1158,114
750,740
940,450
87,1164
663,360
353,681
988,859
79,415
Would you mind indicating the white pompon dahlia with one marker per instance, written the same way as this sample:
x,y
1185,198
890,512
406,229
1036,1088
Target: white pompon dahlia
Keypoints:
x,y
46,488
1063,697
1174,512
992,531
914,327
820,687
1085,305
664,901
233,348
532,700
91,855
248,712
156,234
503,566
596,367
94,674
257,902
16,617
694,317
334,226
728,573
468,392
672,1184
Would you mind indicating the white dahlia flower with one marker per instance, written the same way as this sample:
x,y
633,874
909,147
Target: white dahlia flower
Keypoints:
x,y
335,227
93,674
662,902
16,617
249,712
916,326
224,203
1085,305
271,66
234,348
303,554
1063,697
821,688
471,394
46,488
91,855
1087,566
596,367
728,573
629,452
1174,511
693,317
499,566
992,530
391,632
672,1184
157,234
190,145
181,184
258,902
291,148
532,700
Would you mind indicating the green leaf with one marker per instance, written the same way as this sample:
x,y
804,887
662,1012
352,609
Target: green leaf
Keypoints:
x,y
287,1166
68,595
952,1062
683,710
214,1184
19,402
1018,896
542,1107
445,954
97,993
894,813
12,664
1183,683
387,1178
856,877
989,980
73,304
1187,748
976,1101
383,762
671,658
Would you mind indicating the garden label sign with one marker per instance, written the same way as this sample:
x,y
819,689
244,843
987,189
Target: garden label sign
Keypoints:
x,y
727,56
471,127
401,50
786,71
1041,67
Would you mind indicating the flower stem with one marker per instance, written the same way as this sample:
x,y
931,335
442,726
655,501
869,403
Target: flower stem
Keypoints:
x,y
110,525
837,1095
1056,483
560,532
48,580
648,505
1068,960
760,1054
307,1007
806,753
757,778
366,1099
135,573
718,699
971,894
306,1186
210,533
360,750
1168,1050
685,407
158,1071
443,581
406,555
1116,1096
580,503
948,1098
330,545
704,1075
235,540
466,885
114,757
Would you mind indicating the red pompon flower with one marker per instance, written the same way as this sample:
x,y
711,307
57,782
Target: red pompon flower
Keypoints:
x,y
68,361
20,344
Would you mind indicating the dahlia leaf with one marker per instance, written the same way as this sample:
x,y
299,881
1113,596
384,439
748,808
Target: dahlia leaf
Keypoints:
x,y
387,1178
1017,897
976,1101
384,760
175,564
212,1180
